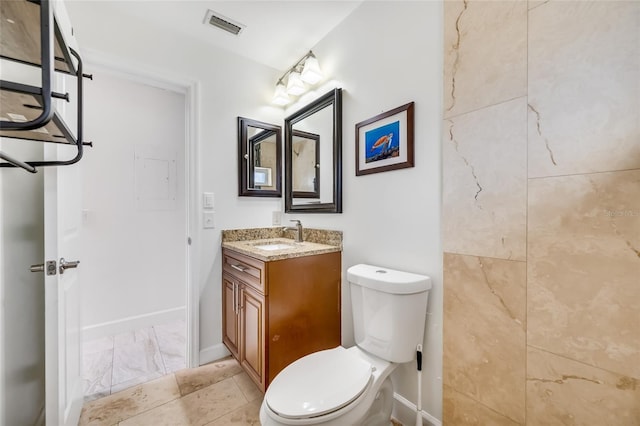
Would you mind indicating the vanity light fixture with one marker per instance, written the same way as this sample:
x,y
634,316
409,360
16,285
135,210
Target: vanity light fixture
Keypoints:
x,y
306,70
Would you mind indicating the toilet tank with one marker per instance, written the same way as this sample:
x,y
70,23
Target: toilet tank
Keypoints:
x,y
389,310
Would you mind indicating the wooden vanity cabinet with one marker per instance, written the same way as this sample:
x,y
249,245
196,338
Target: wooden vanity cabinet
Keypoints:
x,y
278,311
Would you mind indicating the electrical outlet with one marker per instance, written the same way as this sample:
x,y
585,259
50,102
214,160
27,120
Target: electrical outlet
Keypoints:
x,y
276,218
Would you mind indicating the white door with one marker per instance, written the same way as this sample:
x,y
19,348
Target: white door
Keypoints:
x,y
62,225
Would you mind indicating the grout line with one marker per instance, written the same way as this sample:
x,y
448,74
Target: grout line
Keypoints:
x,y
485,106
526,232
485,257
179,396
541,349
585,173
113,357
164,363
473,398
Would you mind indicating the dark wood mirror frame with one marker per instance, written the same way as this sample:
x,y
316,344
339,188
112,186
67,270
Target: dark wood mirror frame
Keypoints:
x,y
246,158
334,99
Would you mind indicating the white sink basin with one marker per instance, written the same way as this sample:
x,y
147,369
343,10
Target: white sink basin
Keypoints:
x,y
274,246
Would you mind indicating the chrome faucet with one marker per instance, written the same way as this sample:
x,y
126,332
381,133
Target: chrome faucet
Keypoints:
x,y
298,229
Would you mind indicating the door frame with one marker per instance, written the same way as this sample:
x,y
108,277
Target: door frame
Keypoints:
x,y
143,74
2,326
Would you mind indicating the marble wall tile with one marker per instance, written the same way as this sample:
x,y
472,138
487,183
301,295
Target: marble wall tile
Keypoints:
x,y
122,405
484,182
561,391
196,409
460,410
485,53
580,115
584,87
583,268
484,331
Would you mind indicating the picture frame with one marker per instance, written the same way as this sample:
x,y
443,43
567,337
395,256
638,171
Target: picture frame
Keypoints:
x,y
385,142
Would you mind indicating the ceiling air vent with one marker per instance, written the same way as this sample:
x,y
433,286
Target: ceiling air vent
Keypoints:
x,y
216,20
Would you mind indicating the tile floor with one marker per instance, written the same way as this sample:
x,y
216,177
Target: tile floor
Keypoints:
x,y
215,394
140,379
115,363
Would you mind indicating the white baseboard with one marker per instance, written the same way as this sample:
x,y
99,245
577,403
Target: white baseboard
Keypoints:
x,y
213,353
132,323
405,411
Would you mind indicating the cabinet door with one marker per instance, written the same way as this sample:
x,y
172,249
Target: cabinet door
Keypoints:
x,y
252,349
230,317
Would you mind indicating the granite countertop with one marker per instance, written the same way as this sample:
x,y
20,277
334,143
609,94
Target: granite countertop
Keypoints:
x,y
282,244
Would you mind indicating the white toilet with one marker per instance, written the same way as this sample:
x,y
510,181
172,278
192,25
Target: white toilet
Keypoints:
x,y
352,386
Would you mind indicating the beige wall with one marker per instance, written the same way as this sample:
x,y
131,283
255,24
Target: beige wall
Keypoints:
x,y
541,213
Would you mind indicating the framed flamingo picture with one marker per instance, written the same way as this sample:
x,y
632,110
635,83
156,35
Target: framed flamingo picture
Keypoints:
x,y
385,142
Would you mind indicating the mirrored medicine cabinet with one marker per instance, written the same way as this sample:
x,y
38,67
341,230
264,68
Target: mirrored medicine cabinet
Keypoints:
x,y
313,156
259,159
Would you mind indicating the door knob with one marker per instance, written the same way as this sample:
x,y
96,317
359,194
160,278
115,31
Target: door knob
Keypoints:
x,y
67,265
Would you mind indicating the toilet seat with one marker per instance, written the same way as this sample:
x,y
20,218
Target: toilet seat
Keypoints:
x,y
338,376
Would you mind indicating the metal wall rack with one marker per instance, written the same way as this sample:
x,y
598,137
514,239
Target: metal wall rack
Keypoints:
x,y
30,35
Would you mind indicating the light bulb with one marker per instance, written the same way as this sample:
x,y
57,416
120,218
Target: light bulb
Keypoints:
x,y
295,86
280,96
311,72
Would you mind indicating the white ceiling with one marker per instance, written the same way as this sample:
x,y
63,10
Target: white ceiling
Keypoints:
x,y
276,33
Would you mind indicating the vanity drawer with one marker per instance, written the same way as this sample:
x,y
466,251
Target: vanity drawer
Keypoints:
x,y
245,268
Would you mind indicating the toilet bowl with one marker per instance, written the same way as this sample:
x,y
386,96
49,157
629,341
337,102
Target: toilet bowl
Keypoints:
x,y
333,387
352,386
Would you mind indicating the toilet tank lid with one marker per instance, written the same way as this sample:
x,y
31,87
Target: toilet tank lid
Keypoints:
x,y
388,280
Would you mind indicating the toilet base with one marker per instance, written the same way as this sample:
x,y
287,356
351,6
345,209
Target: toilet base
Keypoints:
x,y
380,412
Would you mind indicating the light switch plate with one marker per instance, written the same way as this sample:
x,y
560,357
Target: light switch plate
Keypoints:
x,y
208,200
208,220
